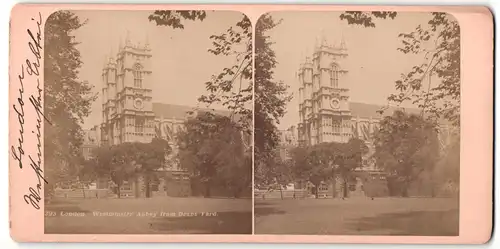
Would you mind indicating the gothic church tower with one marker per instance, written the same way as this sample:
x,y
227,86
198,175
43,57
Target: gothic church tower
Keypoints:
x,y
324,110
127,95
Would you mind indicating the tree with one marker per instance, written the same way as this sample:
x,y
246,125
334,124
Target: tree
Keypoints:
x,y
87,174
114,163
226,87
315,164
270,101
299,167
67,99
326,161
448,167
211,147
279,174
349,158
322,158
150,157
233,86
174,18
366,18
232,158
439,44
195,154
405,146
126,161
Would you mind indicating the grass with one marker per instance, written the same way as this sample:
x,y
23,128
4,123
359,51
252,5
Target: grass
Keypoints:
x,y
381,216
213,216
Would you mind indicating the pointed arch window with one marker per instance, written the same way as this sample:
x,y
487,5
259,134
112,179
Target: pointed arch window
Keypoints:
x,y
139,124
334,77
138,75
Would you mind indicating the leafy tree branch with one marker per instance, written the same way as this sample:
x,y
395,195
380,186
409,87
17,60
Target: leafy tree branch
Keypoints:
x,y
439,44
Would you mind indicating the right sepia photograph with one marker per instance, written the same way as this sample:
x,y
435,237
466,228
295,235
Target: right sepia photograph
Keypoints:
x,y
357,123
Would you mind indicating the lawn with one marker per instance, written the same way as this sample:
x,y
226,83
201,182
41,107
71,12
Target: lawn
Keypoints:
x,y
382,216
160,215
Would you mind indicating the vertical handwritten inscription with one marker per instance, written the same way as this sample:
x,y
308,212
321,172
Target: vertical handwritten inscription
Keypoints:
x,y
30,71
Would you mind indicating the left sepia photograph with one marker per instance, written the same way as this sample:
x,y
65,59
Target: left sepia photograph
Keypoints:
x,y
148,124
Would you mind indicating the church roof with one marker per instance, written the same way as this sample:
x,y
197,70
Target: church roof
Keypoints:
x,y
366,111
363,110
171,111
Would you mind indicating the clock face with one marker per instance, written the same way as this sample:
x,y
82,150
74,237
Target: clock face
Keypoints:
x,y
138,104
335,103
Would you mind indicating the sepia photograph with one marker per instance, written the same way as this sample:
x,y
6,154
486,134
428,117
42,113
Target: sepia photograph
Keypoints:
x,y
148,122
357,123
260,123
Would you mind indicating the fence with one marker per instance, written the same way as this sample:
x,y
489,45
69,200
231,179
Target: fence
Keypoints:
x,y
277,194
82,193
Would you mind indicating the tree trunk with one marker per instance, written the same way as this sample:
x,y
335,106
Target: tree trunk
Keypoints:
x,y
148,185
334,187
346,190
118,190
404,190
207,189
433,185
281,192
237,193
83,191
316,189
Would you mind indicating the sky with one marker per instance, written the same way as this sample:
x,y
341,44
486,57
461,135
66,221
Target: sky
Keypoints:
x,y
374,63
181,63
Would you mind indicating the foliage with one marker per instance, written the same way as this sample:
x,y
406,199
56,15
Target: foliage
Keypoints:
x,y
279,174
439,44
351,157
443,59
174,19
112,162
227,88
405,146
150,157
325,161
67,99
366,18
127,161
232,87
448,167
319,166
212,149
87,173
270,102
300,167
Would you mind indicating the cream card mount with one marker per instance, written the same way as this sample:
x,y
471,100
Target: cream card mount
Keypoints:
x,y
251,123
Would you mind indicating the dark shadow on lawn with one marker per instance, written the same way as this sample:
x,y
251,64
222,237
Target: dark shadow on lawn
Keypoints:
x,y
261,203
263,211
415,223
217,197
223,223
